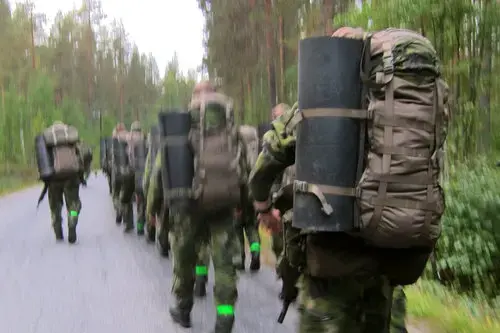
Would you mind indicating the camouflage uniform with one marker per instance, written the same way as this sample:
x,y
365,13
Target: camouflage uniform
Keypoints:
x,y
123,188
277,237
398,313
246,223
201,270
155,204
68,190
191,229
130,191
343,289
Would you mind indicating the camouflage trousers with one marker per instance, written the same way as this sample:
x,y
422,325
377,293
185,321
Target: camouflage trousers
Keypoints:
x,y
277,244
345,305
123,190
203,260
141,208
188,234
398,313
246,223
69,192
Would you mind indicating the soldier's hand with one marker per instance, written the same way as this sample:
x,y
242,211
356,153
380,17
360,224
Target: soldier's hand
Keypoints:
x,y
271,220
152,220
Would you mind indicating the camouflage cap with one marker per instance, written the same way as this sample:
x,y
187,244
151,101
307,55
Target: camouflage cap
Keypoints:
x,y
136,126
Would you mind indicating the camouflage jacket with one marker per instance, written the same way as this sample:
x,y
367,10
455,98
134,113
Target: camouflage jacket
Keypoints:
x,y
147,172
154,199
277,154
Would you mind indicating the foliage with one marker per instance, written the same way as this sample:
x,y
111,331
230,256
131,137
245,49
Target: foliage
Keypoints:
x,y
447,312
468,253
79,70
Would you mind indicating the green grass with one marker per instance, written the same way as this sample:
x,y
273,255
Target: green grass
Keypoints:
x,y
14,178
431,307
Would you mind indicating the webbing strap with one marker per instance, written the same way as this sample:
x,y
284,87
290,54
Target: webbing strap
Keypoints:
x,y
328,112
319,192
386,158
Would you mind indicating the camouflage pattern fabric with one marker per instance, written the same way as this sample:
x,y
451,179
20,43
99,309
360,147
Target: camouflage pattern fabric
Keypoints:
x,y
189,232
246,223
342,284
398,313
203,260
123,190
277,244
333,305
69,192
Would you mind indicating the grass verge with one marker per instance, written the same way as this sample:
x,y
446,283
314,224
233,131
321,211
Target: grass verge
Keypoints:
x,y
14,178
431,307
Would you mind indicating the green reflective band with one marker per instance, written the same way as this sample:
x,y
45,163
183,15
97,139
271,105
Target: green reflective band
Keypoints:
x,y
255,247
225,310
201,270
73,213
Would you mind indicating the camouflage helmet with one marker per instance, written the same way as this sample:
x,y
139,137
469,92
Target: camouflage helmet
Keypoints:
x,y
57,122
136,126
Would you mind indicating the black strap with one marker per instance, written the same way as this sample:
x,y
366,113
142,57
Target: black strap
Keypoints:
x,y
44,192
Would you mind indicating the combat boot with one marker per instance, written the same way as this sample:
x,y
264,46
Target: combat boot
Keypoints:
x,y
181,316
255,262
224,324
140,228
59,233
119,218
200,285
72,235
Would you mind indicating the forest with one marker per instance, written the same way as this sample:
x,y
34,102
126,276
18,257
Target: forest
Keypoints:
x,y
252,50
81,70
87,72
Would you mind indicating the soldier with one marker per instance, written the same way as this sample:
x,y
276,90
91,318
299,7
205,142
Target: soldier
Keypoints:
x,y
152,148
137,157
123,179
212,219
327,301
156,206
245,217
277,237
68,169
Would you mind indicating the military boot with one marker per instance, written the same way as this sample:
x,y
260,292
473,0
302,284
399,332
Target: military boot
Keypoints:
x,y
119,218
58,231
140,228
224,324
181,316
255,262
72,235
200,285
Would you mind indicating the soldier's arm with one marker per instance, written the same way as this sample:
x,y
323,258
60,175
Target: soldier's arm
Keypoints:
x,y
278,152
147,173
155,190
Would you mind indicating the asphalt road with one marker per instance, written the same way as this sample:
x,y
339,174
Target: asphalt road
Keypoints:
x,y
108,282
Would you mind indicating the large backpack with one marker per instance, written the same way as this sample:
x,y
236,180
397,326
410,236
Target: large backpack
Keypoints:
x,y
137,155
399,195
62,140
120,158
217,153
250,139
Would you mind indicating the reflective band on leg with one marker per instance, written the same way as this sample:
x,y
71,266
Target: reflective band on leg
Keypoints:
x,y
201,270
255,247
225,310
73,213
